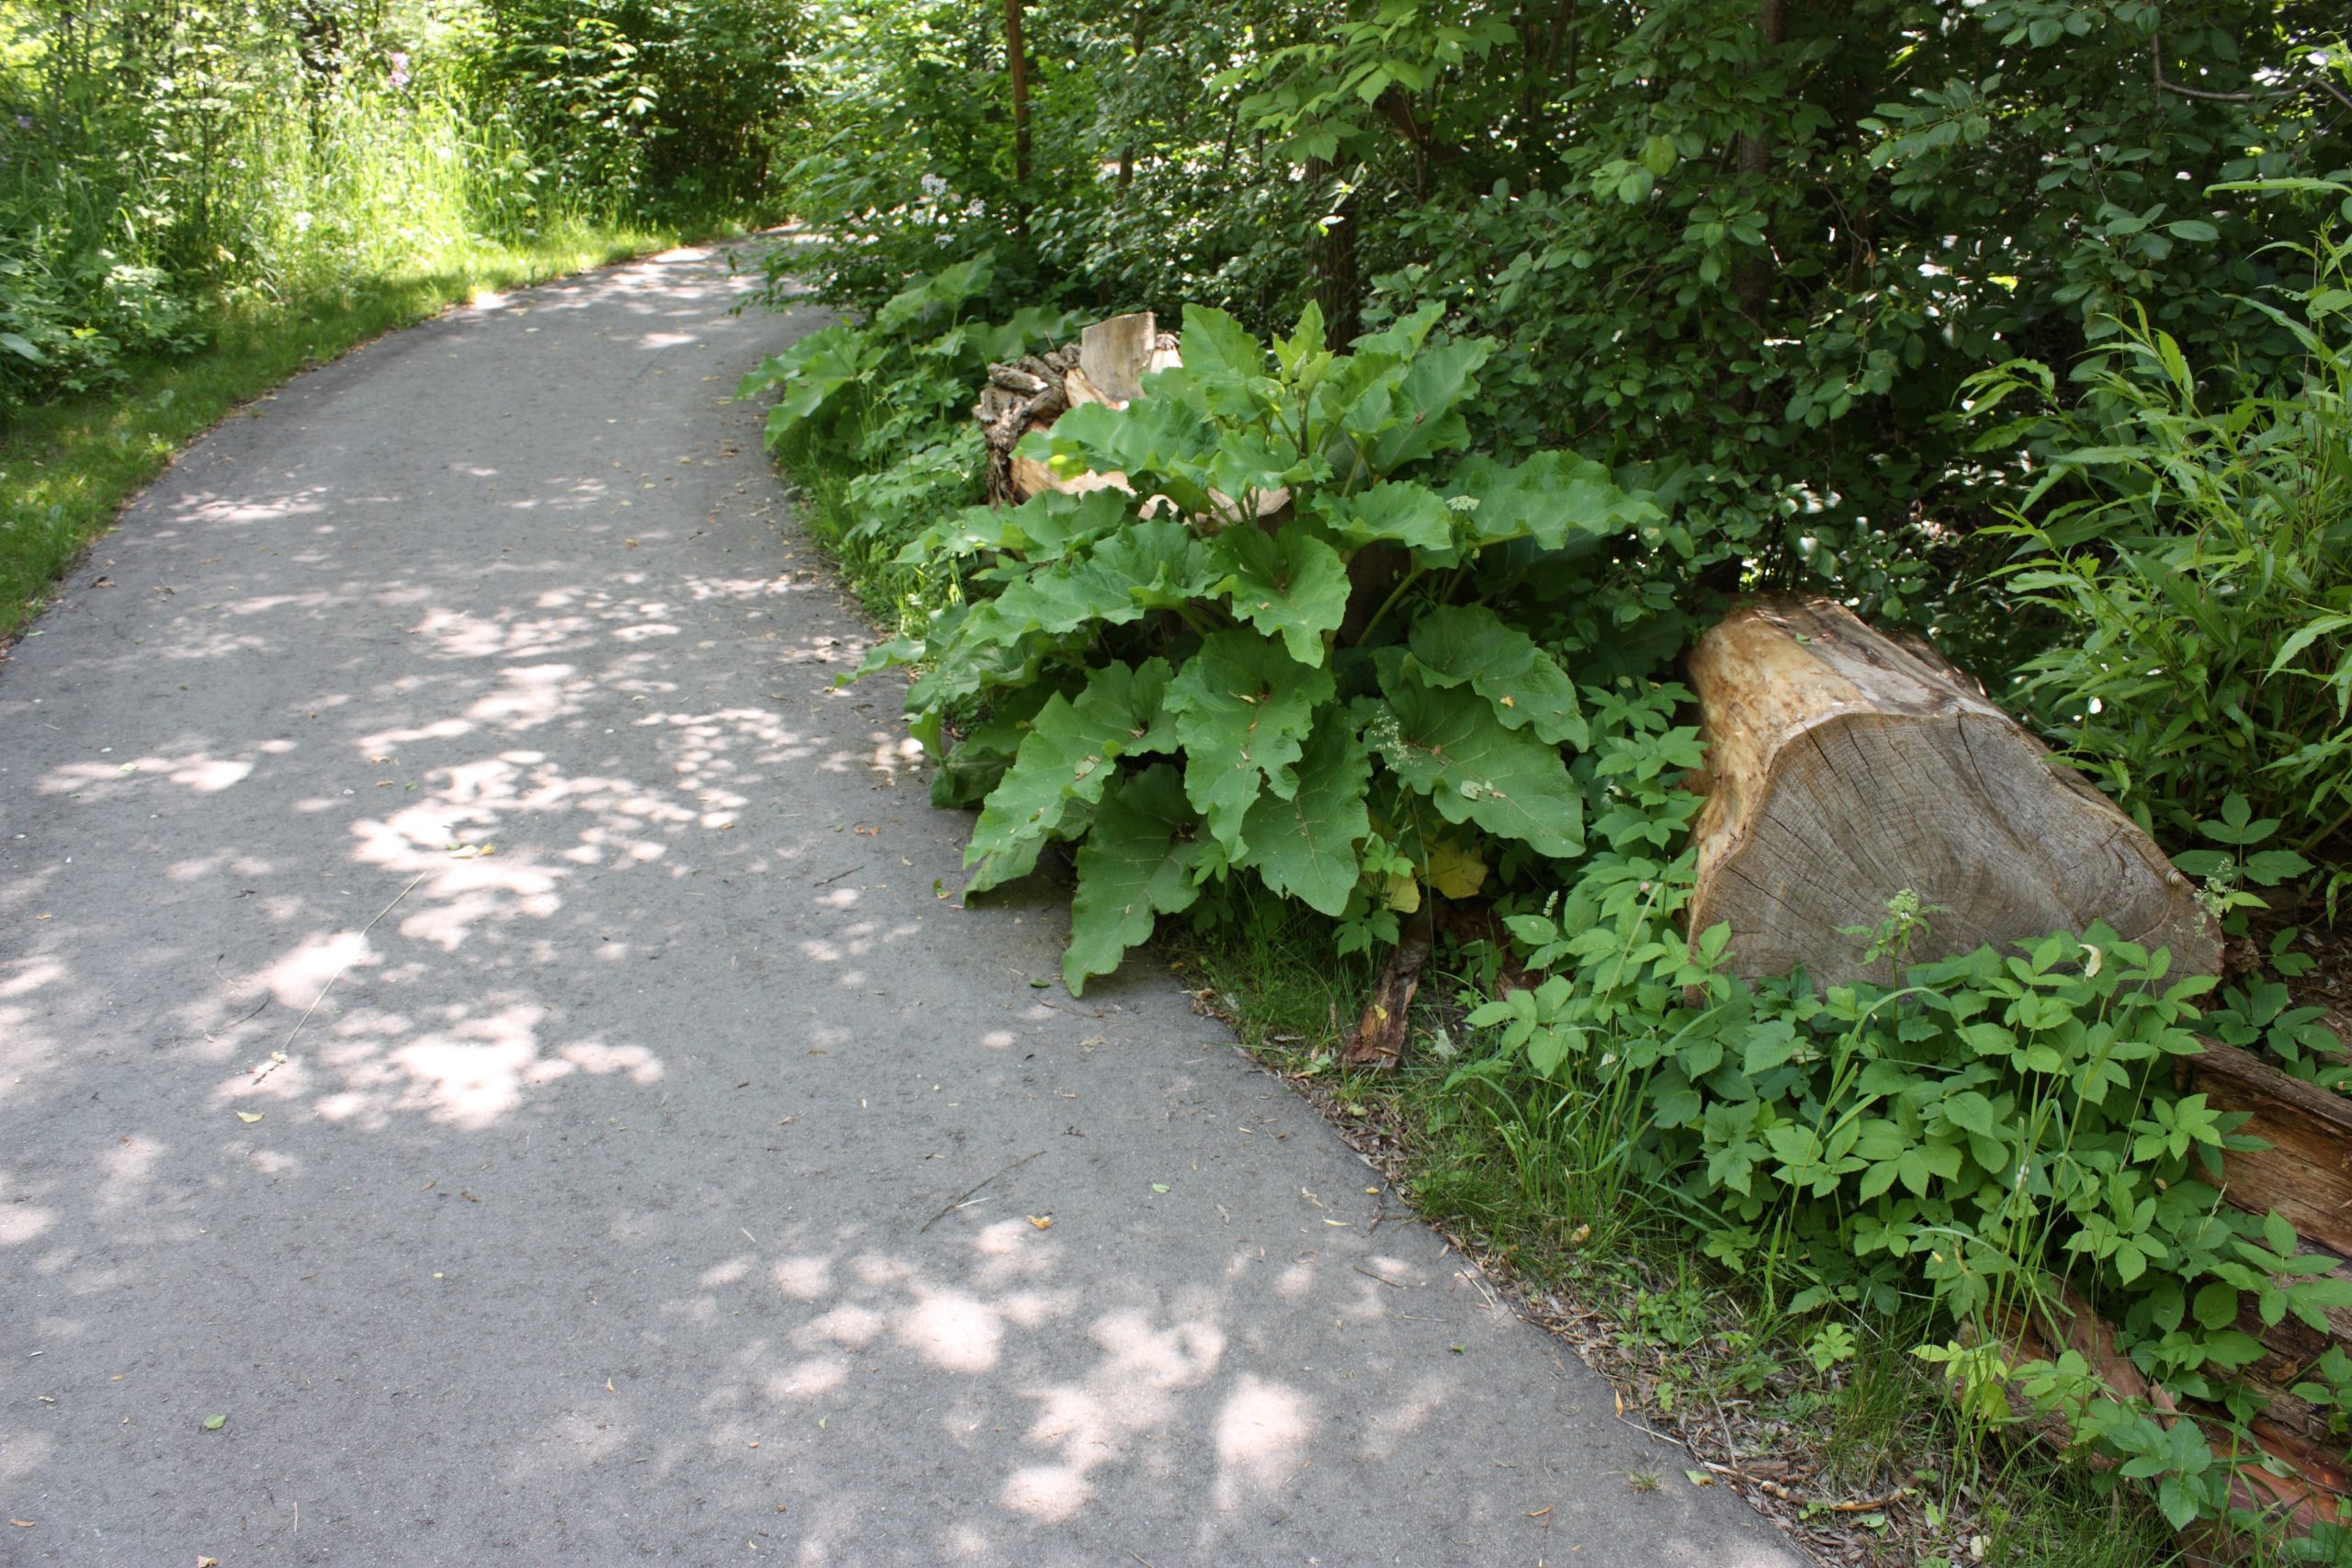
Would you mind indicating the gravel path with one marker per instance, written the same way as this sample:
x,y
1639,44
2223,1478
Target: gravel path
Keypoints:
x,y
460,724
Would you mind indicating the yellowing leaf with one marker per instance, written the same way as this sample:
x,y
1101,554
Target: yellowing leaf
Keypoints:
x,y
1043,1222
1403,892
1454,869
250,1117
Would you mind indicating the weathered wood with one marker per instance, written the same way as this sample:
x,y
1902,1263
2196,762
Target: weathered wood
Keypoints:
x,y
1105,365
2306,1174
1019,398
1845,766
1115,354
1378,1043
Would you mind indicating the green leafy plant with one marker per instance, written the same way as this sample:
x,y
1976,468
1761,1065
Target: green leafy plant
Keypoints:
x,y
1277,652
1988,1127
2204,562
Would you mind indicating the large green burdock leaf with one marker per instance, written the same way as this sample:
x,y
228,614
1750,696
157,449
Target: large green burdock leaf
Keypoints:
x,y
1242,706
1150,566
1136,865
1391,514
1290,586
1549,498
1456,644
1428,399
1159,443
1041,529
1305,846
1473,770
1068,755
1165,566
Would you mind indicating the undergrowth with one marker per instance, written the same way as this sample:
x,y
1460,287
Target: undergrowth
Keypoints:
x,y
1331,668
1540,1199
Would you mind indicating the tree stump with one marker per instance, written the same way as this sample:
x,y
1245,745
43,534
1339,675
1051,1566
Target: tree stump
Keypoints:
x,y
1845,766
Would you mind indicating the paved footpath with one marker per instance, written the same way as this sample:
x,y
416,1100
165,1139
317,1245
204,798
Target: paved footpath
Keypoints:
x,y
459,723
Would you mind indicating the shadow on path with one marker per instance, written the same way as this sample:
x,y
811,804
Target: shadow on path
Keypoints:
x,y
474,1012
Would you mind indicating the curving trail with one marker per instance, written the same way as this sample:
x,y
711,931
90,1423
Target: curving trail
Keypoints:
x,y
600,1212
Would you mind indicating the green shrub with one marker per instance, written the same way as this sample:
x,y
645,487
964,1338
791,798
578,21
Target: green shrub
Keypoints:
x,y
1296,609
2198,552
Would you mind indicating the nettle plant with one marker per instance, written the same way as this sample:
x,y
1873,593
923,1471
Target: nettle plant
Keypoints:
x,y
1289,651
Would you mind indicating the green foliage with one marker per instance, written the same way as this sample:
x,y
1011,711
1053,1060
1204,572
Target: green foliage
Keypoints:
x,y
2204,564
163,167
1989,1126
1293,604
652,105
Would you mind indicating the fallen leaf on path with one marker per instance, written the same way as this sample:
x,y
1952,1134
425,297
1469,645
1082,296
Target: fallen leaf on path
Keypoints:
x,y
1159,1187
22,1524
1043,1222
609,1388
1700,1478
214,1423
250,1117
207,1563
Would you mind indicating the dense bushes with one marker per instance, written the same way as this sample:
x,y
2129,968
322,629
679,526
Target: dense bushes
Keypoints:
x,y
159,166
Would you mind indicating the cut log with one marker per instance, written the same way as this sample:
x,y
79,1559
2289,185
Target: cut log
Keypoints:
x,y
1105,365
1115,354
1845,767
2306,1173
1019,398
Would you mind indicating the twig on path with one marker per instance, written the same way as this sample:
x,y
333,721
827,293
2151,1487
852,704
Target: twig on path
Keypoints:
x,y
957,1201
338,973
247,1019
829,881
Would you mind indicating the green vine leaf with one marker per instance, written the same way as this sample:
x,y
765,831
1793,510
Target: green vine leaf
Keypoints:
x,y
1473,770
1453,644
1305,846
1136,865
1242,708
1289,584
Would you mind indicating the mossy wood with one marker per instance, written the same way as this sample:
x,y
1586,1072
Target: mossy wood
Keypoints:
x,y
1845,766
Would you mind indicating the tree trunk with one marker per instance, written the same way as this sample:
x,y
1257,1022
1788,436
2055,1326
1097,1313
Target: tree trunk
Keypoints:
x,y
1845,767
1017,62
1331,259
1752,279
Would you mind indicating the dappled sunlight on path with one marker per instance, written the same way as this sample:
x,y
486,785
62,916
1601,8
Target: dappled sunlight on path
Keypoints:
x,y
480,1007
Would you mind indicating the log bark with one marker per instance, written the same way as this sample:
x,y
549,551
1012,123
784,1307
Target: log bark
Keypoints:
x,y
1378,1043
1845,766
2306,1173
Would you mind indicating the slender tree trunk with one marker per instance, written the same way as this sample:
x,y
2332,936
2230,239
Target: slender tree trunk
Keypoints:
x,y
1754,277
1017,60
1331,259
